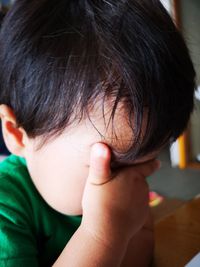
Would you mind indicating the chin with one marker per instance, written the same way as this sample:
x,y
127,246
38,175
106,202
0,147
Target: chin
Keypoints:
x,y
70,211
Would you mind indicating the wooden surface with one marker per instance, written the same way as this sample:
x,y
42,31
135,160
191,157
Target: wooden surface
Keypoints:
x,y
166,207
177,236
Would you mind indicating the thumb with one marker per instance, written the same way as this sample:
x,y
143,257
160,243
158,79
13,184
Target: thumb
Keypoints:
x,y
99,172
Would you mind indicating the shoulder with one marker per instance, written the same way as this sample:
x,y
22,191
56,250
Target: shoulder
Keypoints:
x,y
15,184
13,166
14,187
16,231
18,194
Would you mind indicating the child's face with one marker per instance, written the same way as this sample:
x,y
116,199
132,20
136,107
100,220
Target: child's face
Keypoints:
x,y
59,168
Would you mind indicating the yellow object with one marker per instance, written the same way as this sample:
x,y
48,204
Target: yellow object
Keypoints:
x,y
182,151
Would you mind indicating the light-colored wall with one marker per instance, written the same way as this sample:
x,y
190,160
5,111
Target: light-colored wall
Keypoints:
x,y
190,14
166,4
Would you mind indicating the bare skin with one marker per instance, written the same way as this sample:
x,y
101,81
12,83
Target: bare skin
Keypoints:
x,y
115,229
110,230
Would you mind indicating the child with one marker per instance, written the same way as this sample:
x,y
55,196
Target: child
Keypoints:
x,y
90,91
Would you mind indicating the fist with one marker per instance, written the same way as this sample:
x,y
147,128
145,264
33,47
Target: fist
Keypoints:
x,y
115,205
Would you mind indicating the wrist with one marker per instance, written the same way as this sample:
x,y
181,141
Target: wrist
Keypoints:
x,y
107,236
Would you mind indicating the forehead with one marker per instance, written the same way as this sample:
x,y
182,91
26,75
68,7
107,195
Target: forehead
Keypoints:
x,y
114,129
98,127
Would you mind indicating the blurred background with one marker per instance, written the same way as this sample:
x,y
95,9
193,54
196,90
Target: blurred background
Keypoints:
x,y
174,182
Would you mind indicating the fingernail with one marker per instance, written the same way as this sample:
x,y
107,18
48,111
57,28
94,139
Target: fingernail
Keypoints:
x,y
99,150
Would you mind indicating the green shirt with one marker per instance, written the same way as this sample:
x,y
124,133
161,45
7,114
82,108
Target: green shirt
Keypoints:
x,y
31,232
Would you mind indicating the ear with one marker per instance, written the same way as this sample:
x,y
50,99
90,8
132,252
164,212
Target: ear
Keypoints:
x,y
14,136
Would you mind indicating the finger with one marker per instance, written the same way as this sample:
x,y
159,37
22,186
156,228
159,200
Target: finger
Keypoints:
x,y
99,171
148,168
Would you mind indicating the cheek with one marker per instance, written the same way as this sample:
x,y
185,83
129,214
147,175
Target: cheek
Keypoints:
x,y
60,179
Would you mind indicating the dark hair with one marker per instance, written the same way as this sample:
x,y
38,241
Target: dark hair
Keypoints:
x,y
58,57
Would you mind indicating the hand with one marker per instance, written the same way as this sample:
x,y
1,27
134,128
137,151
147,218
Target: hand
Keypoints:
x,y
115,207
